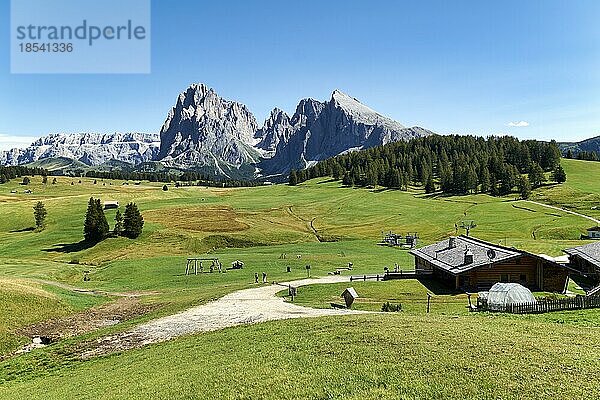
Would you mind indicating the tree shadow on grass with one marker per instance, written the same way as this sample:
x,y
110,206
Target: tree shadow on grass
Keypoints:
x,y
71,247
30,229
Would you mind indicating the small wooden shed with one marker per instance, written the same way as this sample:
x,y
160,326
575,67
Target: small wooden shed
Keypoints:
x,y
349,296
111,204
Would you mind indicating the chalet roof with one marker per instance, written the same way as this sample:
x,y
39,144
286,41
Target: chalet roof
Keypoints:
x,y
589,252
452,259
594,229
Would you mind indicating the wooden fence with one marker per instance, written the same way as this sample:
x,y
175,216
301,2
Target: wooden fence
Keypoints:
x,y
389,275
544,306
365,278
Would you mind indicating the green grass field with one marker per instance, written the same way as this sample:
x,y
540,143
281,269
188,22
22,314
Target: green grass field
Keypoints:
x,y
329,226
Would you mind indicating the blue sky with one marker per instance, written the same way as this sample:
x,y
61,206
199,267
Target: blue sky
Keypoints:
x,y
450,66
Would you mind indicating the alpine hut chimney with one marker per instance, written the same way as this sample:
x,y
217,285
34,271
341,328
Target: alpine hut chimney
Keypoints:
x,y
452,242
468,257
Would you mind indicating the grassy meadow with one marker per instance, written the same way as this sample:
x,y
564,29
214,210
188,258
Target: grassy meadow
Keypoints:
x,y
447,354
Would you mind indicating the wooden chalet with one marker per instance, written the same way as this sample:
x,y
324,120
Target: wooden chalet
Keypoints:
x,y
472,264
586,260
593,233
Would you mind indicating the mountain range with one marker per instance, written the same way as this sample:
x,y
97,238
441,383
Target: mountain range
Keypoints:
x,y
91,149
222,138
588,145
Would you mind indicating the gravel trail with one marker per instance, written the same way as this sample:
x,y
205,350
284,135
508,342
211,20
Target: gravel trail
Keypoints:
x,y
248,306
565,211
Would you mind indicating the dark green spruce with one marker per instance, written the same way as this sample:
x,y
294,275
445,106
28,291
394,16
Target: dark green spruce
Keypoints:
x,y
133,222
95,226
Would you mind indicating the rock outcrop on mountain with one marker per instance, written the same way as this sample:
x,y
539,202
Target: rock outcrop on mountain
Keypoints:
x,y
325,129
276,130
89,148
204,130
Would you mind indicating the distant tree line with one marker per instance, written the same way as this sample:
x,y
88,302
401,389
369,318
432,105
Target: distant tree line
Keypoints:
x,y
196,178
132,176
13,172
582,155
451,164
186,178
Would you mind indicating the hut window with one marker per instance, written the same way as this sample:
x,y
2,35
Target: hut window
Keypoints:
x,y
504,278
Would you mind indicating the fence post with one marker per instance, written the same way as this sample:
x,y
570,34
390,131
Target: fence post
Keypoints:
x,y
428,301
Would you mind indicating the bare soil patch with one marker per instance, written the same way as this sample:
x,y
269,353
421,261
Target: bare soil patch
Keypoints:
x,y
122,309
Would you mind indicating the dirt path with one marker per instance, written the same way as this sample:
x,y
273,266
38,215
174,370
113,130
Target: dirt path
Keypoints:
x,y
91,291
243,307
565,211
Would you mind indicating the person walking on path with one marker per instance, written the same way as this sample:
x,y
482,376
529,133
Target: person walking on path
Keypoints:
x,y
256,277
264,277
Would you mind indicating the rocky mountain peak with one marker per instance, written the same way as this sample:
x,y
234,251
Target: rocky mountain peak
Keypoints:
x,y
205,129
276,130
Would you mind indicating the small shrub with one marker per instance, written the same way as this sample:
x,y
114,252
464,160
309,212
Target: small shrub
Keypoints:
x,y
388,307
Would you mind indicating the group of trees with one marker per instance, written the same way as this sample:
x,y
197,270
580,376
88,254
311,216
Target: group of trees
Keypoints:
x,y
453,164
96,228
11,172
132,176
196,178
186,178
583,155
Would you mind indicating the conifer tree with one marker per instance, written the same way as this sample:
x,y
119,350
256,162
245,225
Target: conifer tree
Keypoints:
x,y
133,222
430,185
484,180
536,175
524,187
39,214
396,179
347,179
337,171
95,226
558,174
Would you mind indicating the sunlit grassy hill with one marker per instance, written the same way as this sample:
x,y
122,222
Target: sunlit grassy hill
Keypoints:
x,y
268,228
